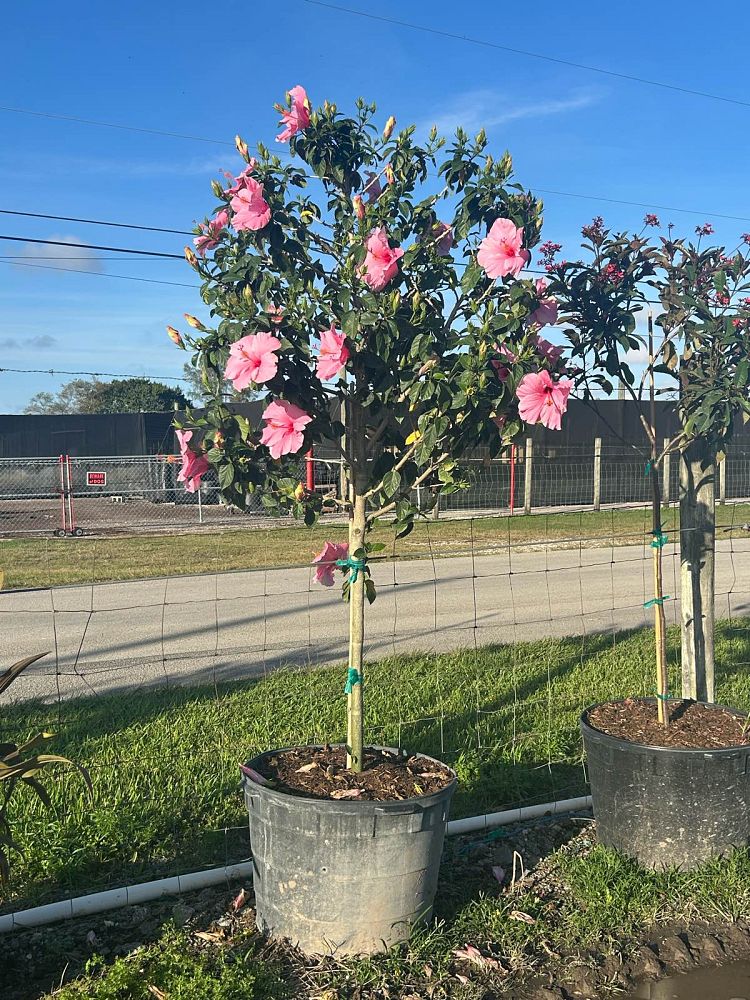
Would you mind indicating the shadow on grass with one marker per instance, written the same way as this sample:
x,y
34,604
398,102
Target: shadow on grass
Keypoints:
x,y
165,761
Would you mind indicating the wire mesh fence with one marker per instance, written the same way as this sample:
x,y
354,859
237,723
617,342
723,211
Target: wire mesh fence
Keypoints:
x,y
115,495
488,637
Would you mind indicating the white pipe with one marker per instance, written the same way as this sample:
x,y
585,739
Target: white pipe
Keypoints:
x,y
129,895
472,823
112,899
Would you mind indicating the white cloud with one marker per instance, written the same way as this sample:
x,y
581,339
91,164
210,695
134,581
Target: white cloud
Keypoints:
x,y
14,344
73,257
487,108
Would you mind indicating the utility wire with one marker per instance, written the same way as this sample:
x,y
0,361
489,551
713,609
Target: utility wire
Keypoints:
x,y
96,222
93,246
124,128
51,371
531,55
100,274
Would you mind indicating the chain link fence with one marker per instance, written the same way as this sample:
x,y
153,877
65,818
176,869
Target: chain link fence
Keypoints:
x,y
116,494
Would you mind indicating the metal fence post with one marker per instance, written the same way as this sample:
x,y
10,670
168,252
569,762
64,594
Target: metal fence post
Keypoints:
x,y
723,479
665,476
527,467
597,473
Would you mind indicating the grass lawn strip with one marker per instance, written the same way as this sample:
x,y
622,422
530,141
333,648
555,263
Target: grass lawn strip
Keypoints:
x,y
50,562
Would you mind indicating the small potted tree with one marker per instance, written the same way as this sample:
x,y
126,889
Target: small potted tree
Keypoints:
x,y
668,775
372,321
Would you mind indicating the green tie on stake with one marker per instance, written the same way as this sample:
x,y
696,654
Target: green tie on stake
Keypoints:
x,y
352,678
354,565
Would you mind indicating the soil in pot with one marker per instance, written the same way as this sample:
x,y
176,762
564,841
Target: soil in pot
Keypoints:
x,y
321,773
692,725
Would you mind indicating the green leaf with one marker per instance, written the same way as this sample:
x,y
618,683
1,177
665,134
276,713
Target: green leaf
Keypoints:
x,y
391,483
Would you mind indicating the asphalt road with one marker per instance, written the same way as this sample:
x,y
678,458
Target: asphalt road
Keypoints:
x,y
201,629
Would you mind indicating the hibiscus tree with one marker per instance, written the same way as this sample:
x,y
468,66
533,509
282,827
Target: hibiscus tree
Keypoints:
x,y
372,289
697,344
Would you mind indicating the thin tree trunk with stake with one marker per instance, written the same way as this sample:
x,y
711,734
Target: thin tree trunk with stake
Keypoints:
x,y
657,543
357,530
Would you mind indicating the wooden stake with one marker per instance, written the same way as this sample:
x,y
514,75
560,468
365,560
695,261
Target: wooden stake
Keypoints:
x,y
660,631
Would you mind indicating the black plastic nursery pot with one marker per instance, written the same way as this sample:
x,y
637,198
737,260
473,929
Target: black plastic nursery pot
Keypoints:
x,y
665,806
343,877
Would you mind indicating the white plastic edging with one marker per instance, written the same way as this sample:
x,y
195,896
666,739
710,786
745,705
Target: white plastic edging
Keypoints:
x,y
129,895
473,823
112,899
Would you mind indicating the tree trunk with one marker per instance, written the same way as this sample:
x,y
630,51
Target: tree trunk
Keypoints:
x,y
697,545
357,531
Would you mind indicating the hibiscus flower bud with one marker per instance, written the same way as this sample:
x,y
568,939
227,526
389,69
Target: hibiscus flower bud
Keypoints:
x,y
389,127
488,163
395,300
433,133
389,175
416,299
176,337
195,323
481,137
191,258
299,493
427,366
359,207
219,440
247,294
242,148
217,189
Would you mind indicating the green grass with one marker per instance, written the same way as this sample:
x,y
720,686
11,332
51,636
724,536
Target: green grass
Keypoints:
x,y
180,971
164,762
164,768
48,562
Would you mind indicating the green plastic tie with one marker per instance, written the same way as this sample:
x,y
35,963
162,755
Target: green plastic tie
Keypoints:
x,y
352,678
648,469
662,697
657,600
355,565
660,539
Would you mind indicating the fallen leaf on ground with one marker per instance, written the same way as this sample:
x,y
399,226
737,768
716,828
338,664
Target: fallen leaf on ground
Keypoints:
x,y
306,767
499,873
210,936
239,900
474,955
156,992
523,917
346,793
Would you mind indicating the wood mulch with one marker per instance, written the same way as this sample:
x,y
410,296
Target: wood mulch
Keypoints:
x,y
692,725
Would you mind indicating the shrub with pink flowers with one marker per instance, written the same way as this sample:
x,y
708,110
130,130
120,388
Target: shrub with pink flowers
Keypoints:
x,y
372,288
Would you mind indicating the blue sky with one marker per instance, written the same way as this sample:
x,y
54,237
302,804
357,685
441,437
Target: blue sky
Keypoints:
x,y
213,70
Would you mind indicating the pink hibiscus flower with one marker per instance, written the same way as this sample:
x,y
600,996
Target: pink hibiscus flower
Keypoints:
x,y
211,232
297,117
333,354
541,400
502,370
381,262
546,311
194,466
252,359
326,561
501,251
550,352
275,314
240,181
284,430
250,208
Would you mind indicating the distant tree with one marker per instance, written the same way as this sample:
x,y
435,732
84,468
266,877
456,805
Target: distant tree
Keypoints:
x,y
205,386
129,395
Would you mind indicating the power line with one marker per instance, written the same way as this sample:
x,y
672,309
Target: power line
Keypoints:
x,y
532,55
51,371
93,246
97,222
100,274
643,204
32,256
124,128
